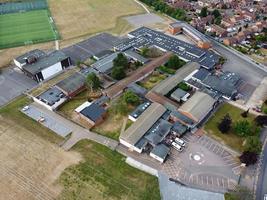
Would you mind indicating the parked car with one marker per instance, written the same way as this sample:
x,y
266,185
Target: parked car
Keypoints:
x,y
25,108
180,142
177,146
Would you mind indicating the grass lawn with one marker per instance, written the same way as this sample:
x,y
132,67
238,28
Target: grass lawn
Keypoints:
x,y
85,17
152,80
25,28
231,139
104,175
12,112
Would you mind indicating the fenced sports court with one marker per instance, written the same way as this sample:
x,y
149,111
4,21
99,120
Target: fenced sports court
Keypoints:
x,y
14,7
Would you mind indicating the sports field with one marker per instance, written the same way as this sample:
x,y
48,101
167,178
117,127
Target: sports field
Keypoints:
x,y
26,28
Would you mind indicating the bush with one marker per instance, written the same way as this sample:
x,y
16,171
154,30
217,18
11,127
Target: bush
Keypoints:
x,y
261,120
225,125
184,86
253,144
118,73
240,193
167,70
175,62
243,128
131,98
249,158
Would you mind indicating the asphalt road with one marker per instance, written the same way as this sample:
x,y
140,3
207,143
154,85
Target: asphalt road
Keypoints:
x,y
262,179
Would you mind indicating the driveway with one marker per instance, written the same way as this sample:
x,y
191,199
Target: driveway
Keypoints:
x,y
13,83
78,132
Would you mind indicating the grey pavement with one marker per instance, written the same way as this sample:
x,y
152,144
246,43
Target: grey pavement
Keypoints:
x,y
78,132
144,19
13,83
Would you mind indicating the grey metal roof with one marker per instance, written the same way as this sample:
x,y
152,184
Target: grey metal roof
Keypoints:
x,y
182,117
179,128
45,62
161,151
201,74
135,132
135,56
106,64
178,94
158,132
36,53
103,54
137,89
87,71
198,106
168,84
171,191
72,83
144,36
102,100
93,112
51,96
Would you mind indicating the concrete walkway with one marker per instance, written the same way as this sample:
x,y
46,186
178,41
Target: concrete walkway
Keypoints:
x,y
78,132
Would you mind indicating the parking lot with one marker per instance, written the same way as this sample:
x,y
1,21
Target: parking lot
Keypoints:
x,y
12,84
203,164
47,121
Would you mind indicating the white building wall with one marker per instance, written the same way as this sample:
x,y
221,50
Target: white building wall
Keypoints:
x,y
52,70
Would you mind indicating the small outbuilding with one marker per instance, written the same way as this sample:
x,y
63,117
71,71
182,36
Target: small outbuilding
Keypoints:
x,y
160,152
180,95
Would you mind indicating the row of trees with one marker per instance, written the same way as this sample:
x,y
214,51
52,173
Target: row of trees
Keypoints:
x,y
161,6
243,128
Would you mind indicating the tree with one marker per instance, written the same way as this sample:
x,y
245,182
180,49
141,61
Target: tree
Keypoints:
x,y
131,98
225,125
253,144
144,51
245,113
204,12
261,120
216,13
93,81
175,62
243,128
249,158
121,60
118,73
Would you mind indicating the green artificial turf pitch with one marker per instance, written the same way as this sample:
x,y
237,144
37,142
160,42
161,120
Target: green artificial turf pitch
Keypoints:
x,y
19,29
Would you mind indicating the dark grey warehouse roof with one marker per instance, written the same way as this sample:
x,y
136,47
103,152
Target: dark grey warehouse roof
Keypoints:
x,y
51,96
72,83
36,53
144,36
161,151
106,64
132,54
93,112
45,62
140,109
179,128
201,74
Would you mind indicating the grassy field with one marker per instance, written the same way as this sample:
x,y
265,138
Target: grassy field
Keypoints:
x,y
152,80
30,159
25,28
231,139
84,17
104,175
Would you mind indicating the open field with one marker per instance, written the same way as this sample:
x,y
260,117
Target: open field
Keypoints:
x,y
231,139
25,28
104,175
30,161
85,17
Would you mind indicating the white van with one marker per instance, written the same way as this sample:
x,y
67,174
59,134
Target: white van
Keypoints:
x,y
180,142
177,146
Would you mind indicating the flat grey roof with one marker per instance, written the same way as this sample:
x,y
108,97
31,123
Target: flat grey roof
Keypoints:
x,y
144,36
161,151
158,132
106,64
135,56
178,94
45,62
93,112
201,74
72,83
179,128
51,96
36,53
140,109
168,84
146,120
182,117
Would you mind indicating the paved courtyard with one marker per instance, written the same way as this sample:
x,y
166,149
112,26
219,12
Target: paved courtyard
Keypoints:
x,y
203,164
12,84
